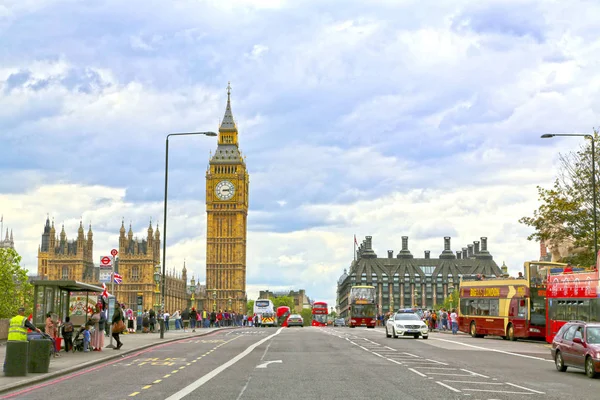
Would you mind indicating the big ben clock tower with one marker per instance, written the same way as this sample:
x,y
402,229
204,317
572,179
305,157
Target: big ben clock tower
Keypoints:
x,y
227,210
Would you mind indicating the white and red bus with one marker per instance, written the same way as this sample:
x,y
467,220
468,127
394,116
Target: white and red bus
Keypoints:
x,y
319,313
571,294
363,309
509,307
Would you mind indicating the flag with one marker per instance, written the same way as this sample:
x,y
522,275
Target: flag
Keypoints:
x,y
355,241
105,292
117,278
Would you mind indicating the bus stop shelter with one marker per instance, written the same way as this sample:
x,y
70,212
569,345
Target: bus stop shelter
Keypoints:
x,y
63,298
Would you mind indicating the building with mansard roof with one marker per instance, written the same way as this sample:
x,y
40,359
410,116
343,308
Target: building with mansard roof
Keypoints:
x,y
409,281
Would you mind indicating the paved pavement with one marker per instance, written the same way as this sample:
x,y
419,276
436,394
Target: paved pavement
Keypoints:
x,y
70,362
324,363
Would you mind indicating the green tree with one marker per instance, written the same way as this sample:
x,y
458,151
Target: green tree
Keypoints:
x,y
451,301
250,307
15,289
306,315
566,209
284,301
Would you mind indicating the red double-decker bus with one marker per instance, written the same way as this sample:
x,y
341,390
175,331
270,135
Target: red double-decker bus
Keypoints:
x,y
363,308
571,294
509,307
283,313
319,313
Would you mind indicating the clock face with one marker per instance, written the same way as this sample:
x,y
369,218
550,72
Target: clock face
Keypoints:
x,y
225,190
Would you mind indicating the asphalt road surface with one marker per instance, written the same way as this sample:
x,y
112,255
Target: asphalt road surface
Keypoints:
x,y
325,363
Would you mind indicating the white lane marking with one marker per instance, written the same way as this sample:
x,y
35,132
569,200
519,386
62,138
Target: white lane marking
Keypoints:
x,y
412,355
394,361
474,382
497,391
494,350
388,347
475,373
265,353
378,355
417,372
439,373
266,364
524,388
201,381
437,362
452,369
447,386
244,388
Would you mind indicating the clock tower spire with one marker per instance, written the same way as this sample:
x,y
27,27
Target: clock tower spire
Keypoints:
x,y
226,212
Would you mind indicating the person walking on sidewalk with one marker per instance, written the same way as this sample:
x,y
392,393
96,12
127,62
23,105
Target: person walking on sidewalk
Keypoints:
x,y
117,325
454,320
67,334
185,318
193,318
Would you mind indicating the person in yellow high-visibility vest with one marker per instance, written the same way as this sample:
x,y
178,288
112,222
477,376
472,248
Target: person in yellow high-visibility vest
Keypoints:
x,y
17,330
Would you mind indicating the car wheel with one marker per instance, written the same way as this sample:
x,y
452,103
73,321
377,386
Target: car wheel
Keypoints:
x,y
387,335
558,361
395,336
426,337
416,336
589,367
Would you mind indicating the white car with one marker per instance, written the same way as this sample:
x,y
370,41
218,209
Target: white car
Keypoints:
x,y
406,324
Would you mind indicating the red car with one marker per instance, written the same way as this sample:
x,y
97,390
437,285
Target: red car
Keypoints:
x,y
577,344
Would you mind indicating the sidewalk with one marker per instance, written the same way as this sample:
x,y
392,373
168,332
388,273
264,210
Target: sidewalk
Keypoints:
x,y
72,362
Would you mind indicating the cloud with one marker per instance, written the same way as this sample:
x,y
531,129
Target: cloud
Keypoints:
x,y
388,120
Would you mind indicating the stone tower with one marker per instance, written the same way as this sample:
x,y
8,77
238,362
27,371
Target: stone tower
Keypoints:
x,y
227,210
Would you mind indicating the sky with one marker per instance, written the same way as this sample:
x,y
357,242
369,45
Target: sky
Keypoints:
x,y
383,118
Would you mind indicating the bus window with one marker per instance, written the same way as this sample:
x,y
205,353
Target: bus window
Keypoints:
x,y
595,310
484,307
522,311
494,307
583,310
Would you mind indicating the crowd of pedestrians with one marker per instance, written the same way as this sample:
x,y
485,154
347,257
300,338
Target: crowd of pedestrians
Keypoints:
x,y
189,320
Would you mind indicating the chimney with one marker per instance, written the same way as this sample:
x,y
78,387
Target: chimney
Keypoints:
x,y
470,250
368,248
458,255
483,244
368,242
543,251
390,253
427,252
447,253
464,253
405,252
475,247
483,254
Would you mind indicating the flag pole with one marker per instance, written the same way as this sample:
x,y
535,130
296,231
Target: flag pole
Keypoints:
x,y
354,247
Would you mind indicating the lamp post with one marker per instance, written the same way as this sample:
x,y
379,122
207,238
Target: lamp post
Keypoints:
x,y
591,137
165,210
157,287
214,301
192,290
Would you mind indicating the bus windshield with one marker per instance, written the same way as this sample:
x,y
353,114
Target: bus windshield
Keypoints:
x,y
320,318
363,311
262,303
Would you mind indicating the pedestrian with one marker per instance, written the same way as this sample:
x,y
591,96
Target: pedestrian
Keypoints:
x,y
51,329
444,319
152,316
129,315
193,318
67,334
177,317
97,335
117,325
454,320
86,338
166,316
185,318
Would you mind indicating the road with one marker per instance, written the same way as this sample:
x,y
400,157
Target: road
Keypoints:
x,y
325,363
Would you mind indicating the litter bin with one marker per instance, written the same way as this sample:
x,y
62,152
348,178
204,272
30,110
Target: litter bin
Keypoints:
x,y
15,363
39,355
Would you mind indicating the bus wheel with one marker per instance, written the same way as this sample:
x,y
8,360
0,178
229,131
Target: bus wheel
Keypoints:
x,y
473,329
510,333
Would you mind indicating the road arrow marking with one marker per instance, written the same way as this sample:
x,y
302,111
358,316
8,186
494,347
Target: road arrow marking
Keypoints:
x,y
265,364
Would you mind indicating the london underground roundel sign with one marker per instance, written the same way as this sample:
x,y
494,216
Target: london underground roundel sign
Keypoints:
x,y
105,260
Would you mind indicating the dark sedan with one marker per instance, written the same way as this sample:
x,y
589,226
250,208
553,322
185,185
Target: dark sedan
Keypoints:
x,y
577,344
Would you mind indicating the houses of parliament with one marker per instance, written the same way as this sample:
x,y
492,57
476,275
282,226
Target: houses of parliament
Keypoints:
x,y
227,184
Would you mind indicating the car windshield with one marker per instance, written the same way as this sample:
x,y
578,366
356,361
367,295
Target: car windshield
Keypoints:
x,y
295,316
407,317
593,334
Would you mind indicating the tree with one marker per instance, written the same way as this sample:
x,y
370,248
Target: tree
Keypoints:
x,y
566,210
250,307
15,289
306,315
284,301
451,301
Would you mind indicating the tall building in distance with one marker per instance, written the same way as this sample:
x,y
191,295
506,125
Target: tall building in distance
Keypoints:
x,y
227,210
137,262
63,259
8,242
409,281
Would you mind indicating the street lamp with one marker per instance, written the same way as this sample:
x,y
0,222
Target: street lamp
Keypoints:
x,y
214,301
165,211
591,137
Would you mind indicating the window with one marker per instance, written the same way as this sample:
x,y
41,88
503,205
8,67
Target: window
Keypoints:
x,y
135,273
570,334
65,272
427,270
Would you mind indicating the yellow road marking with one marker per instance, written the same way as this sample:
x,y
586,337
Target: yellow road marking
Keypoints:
x,y
194,361
182,367
174,372
157,381
147,387
167,375
134,394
